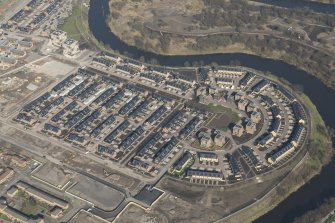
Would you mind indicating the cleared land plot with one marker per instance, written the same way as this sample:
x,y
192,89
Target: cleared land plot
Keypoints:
x,y
6,6
53,174
221,122
222,109
100,195
53,68
83,216
224,117
191,203
135,214
15,88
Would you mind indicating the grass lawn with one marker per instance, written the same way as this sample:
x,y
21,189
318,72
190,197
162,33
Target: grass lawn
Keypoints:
x,y
222,109
319,135
330,219
4,217
77,27
71,25
30,205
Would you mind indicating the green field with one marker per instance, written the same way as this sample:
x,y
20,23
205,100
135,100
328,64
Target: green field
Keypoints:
x,y
72,25
319,136
222,109
4,217
30,205
330,219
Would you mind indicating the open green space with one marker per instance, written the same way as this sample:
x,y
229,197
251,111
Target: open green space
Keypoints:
x,y
222,109
320,139
72,25
31,206
330,219
77,27
4,217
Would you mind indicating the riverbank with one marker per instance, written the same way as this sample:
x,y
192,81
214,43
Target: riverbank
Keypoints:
x,y
323,214
77,27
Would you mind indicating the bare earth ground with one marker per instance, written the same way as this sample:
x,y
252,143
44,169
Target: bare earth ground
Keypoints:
x,y
86,217
6,5
99,194
67,157
17,87
134,213
221,121
185,202
53,174
22,85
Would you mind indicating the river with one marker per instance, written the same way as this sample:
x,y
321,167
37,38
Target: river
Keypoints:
x,y
311,194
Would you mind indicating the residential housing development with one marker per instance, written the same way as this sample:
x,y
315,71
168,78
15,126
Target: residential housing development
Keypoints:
x,y
147,124
86,135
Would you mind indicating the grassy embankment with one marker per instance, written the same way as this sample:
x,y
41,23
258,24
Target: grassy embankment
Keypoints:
x,y
70,25
324,212
319,153
76,25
